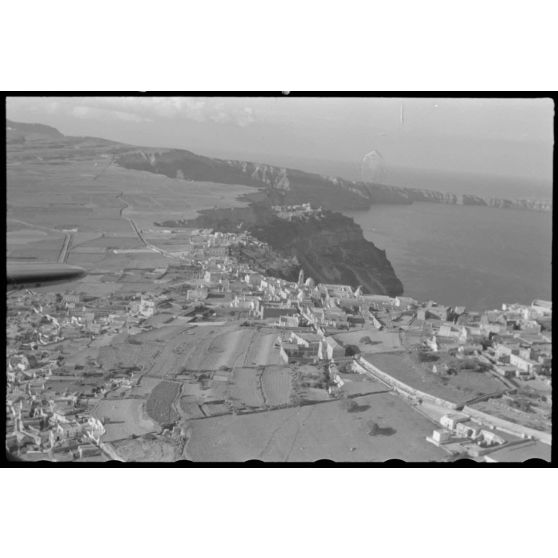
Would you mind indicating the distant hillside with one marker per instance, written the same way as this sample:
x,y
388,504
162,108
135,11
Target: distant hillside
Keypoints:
x,y
44,143
21,132
278,185
290,186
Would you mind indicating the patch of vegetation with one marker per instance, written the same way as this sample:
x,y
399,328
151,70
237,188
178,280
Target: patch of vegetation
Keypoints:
x,y
455,365
374,429
424,356
351,350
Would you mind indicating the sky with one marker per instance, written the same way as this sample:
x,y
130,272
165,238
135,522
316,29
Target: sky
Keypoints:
x,y
506,137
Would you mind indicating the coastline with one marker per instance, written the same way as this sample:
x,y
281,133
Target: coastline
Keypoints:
x,y
482,258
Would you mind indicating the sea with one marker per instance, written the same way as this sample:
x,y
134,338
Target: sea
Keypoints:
x,y
473,256
478,257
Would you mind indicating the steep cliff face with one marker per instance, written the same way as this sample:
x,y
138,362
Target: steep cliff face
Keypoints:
x,y
280,185
289,186
331,249
392,194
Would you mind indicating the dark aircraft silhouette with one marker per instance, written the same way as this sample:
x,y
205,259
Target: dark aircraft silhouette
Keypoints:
x,y
28,275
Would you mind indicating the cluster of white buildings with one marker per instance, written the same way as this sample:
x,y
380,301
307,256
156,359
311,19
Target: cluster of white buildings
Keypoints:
x,y
515,341
295,212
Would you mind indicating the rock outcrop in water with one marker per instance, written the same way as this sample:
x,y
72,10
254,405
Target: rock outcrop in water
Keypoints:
x,y
331,248
289,186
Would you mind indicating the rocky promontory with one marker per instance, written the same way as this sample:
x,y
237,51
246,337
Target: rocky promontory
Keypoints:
x,y
278,185
328,245
281,185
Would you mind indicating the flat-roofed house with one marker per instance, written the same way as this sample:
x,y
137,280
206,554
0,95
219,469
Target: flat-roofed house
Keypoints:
x,y
468,429
291,352
450,331
307,340
288,321
451,420
525,366
268,310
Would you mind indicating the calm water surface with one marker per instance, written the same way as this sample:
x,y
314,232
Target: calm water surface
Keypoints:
x,y
461,255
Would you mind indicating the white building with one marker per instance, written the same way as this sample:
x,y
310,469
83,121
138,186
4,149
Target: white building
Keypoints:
x,y
146,308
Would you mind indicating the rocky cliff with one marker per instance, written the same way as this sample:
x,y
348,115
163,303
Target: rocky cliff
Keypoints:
x,y
277,185
280,185
331,248
392,194
290,186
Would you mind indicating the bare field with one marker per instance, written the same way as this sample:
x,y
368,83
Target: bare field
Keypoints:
x,y
262,351
141,449
82,237
358,384
118,262
190,408
24,236
92,285
86,250
113,242
79,194
161,334
46,249
123,418
81,357
86,260
212,347
246,387
181,348
128,354
319,431
371,340
144,386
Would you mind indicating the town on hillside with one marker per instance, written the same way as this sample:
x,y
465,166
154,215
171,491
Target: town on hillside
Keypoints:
x,y
130,374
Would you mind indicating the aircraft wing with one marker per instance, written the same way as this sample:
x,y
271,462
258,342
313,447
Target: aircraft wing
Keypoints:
x,y
28,275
